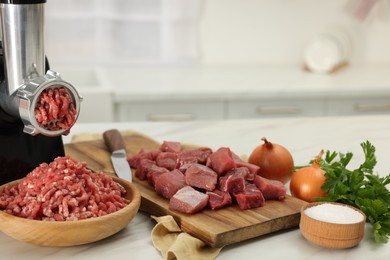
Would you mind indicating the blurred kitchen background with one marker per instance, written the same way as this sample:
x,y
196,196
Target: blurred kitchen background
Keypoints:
x,y
222,59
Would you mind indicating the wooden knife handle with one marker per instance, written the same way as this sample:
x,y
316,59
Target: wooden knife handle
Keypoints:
x,y
114,140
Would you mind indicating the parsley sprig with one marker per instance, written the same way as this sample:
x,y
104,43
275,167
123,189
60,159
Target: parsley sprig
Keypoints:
x,y
360,188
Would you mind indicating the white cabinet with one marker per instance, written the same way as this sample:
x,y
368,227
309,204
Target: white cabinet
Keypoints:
x,y
169,110
213,93
359,106
275,108
96,105
188,109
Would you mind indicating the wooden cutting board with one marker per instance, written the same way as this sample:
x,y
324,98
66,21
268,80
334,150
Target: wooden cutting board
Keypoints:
x,y
216,228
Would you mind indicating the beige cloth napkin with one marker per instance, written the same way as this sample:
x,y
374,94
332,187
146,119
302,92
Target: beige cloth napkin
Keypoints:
x,y
172,243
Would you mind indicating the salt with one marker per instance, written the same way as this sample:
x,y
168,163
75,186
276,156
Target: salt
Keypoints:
x,y
334,213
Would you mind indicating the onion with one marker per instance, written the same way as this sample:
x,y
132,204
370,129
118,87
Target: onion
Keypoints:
x,y
274,160
306,182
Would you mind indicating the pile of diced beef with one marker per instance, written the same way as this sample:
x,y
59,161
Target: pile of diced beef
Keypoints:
x,y
193,179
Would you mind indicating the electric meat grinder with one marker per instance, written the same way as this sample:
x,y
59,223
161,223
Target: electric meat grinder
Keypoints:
x,y
26,142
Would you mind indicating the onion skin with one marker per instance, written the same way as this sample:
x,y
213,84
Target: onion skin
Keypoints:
x,y
306,182
274,160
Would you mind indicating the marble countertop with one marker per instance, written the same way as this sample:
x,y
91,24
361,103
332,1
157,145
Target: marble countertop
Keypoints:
x,y
304,137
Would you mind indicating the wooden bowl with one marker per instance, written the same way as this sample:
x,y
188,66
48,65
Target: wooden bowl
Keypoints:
x,y
331,235
70,233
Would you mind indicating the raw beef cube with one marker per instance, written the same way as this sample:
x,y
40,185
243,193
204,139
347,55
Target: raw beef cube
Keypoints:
x,y
218,199
143,167
200,154
142,154
221,160
169,183
154,173
251,197
169,146
188,200
167,160
253,169
184,165
241,171
271,189
233,180
201,176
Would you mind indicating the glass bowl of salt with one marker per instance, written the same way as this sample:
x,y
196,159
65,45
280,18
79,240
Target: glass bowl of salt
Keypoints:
x,y
332,225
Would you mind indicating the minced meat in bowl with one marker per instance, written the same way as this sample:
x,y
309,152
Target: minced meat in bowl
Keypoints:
x,y
63,203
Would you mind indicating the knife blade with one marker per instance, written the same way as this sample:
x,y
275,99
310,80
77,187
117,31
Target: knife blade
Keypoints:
x,y
116,145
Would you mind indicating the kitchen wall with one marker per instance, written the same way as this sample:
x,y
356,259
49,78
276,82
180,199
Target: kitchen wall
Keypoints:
x,y
277,31
105,48
208,31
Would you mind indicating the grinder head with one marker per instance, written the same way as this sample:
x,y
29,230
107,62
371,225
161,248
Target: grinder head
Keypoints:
x,y
48,105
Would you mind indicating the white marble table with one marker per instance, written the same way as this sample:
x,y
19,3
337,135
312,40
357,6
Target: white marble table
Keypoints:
x,y
304,137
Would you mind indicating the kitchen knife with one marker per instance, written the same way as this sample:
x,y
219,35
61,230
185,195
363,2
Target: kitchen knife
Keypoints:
x,y
117,147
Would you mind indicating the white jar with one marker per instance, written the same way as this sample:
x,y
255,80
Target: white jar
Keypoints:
x,y
328,51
